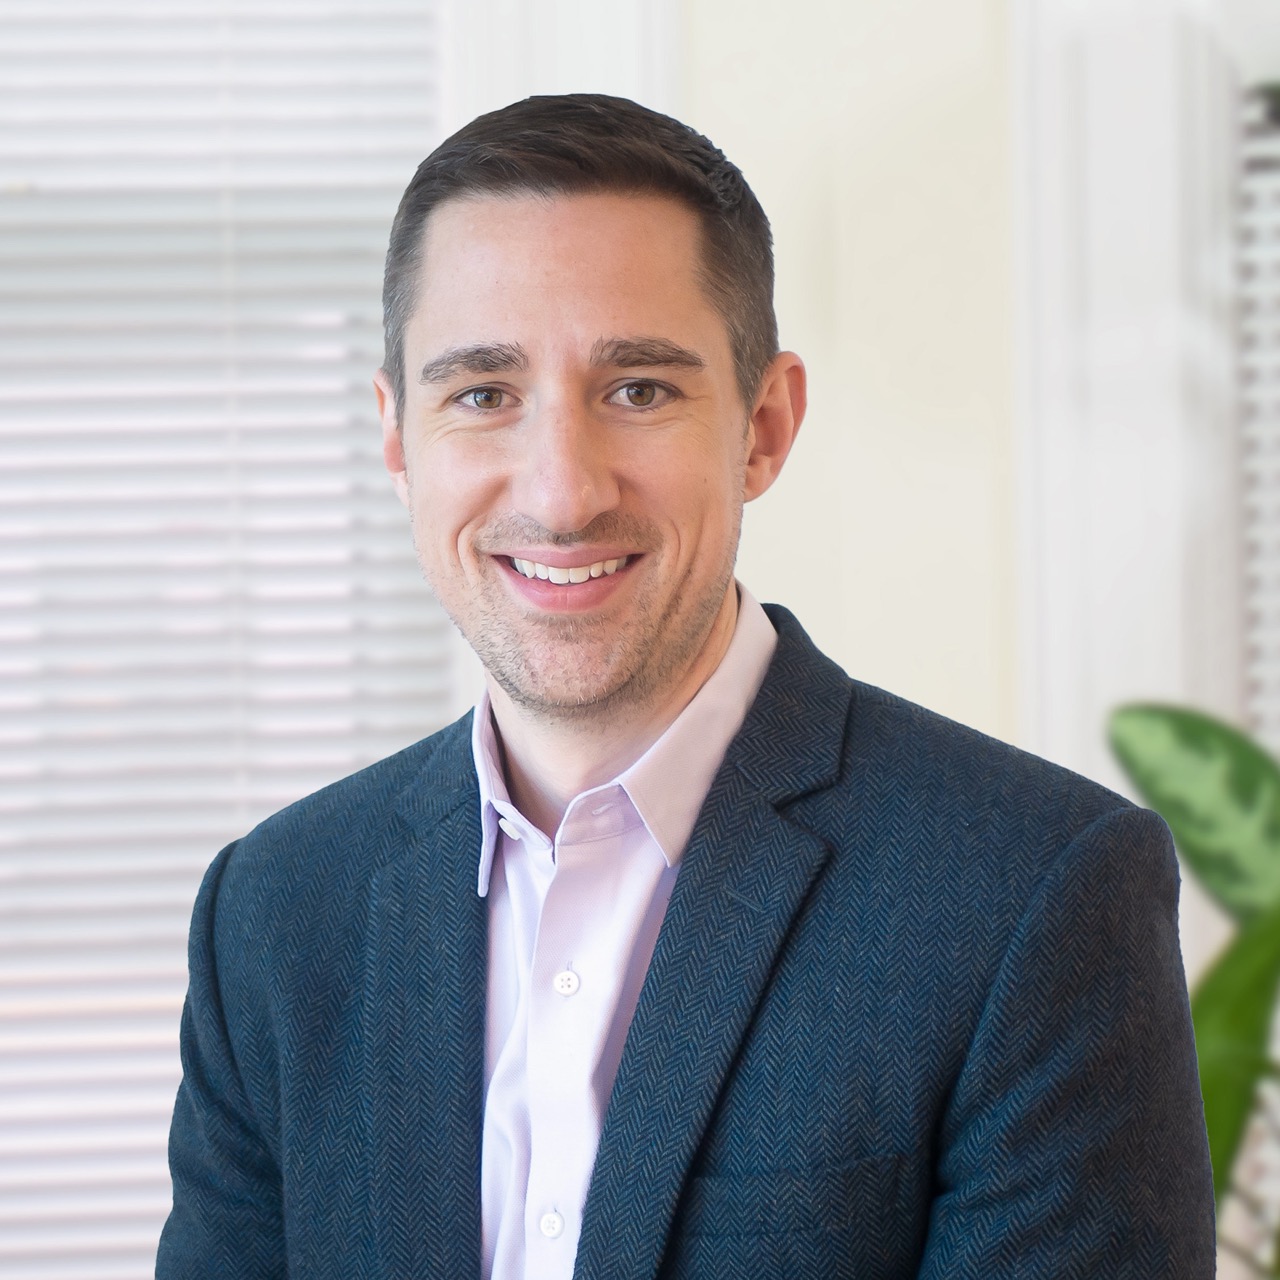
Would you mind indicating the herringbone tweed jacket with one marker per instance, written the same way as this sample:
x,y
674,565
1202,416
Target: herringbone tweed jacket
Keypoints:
x,y
916,1009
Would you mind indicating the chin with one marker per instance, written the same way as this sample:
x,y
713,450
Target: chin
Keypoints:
x,y
564,700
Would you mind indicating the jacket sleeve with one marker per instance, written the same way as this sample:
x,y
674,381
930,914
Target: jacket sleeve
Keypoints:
x,y
226,1218
1074,1142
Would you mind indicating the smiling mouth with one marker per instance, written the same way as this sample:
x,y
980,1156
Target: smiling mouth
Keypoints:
x,y
575,573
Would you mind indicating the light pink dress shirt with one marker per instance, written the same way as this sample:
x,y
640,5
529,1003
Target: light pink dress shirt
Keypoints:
x,y
572,926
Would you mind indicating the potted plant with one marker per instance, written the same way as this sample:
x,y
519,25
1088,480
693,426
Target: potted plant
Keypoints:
x,y
1219,791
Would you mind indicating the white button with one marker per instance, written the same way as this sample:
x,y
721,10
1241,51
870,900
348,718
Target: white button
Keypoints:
x,y
567,984
551,1225
510,828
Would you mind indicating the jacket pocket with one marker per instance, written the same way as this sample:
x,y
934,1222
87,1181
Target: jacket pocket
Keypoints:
x,y
784,1201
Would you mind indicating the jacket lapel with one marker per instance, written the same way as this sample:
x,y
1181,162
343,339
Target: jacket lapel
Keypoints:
x,y
424,1000
744,875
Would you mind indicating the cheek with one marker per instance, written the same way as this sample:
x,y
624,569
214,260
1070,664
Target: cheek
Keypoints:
x,y
449,502
707,518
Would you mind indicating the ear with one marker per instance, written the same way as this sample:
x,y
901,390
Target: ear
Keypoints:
x,y
778,413
392,436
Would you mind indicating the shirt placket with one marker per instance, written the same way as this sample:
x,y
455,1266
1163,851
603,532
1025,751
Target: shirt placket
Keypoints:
x,y
573,987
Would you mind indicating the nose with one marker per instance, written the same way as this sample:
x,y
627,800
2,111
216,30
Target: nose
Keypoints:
x,y
565,476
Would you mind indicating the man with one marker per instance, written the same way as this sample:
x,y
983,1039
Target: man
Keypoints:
x,y
685,955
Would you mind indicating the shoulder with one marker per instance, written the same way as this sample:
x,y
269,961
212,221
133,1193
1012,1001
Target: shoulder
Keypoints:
x,y
305,864
365,802
1007,821
968,772
942,803
879,731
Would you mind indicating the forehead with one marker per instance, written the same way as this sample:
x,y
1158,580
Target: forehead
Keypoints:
x,y
608,261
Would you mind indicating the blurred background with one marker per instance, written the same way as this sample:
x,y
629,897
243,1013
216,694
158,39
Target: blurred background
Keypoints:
x,y
1029,249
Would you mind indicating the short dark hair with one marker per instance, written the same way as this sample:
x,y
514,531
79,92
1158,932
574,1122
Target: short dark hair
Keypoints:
x,y
583,143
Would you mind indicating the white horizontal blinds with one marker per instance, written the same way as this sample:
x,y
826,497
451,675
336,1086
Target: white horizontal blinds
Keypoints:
x,y
208,600
1259,282
1259,278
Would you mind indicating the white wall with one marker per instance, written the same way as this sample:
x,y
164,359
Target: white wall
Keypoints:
x,y
1128,531
878,139
1253,33
968,197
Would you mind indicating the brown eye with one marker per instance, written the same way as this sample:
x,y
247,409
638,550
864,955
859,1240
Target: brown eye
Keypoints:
x,y
483,398
640,395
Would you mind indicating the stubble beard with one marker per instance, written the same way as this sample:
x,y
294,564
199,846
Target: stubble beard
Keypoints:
x,y
568,675
589,670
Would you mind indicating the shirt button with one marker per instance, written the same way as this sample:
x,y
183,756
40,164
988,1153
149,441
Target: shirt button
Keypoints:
x,y
566,984
551,1225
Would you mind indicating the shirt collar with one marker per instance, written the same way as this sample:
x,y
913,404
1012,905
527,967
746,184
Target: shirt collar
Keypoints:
x,y
668,784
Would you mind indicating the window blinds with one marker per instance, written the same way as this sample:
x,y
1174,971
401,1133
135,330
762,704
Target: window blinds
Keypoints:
x,y
1259,282
208,600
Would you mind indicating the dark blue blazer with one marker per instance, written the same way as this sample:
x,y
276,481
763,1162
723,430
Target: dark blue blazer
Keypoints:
x,y
916,1009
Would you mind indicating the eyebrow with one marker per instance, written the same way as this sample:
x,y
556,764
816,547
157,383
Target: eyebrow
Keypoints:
x,y
639,353
483,357
614,353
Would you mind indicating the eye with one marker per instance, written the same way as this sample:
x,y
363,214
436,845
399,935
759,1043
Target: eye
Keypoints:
x,y
482,398
639,395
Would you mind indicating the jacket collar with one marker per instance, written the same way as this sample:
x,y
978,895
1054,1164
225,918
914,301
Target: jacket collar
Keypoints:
x,y
425,1006
792,740
746,873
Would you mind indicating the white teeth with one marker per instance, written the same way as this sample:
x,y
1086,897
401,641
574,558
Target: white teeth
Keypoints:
x,y
575,573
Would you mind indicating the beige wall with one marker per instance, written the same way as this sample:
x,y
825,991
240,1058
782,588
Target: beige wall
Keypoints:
x,y
878,138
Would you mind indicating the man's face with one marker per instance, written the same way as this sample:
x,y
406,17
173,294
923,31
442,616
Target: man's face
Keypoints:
x,y
573,451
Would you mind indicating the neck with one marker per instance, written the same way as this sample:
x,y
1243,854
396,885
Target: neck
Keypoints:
x,y
548,760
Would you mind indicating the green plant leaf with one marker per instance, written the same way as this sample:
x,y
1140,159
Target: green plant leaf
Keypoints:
x,y
1218,791
1232,1009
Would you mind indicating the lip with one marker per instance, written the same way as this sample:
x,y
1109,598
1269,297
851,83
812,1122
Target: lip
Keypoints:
x,y
576,597
566,557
